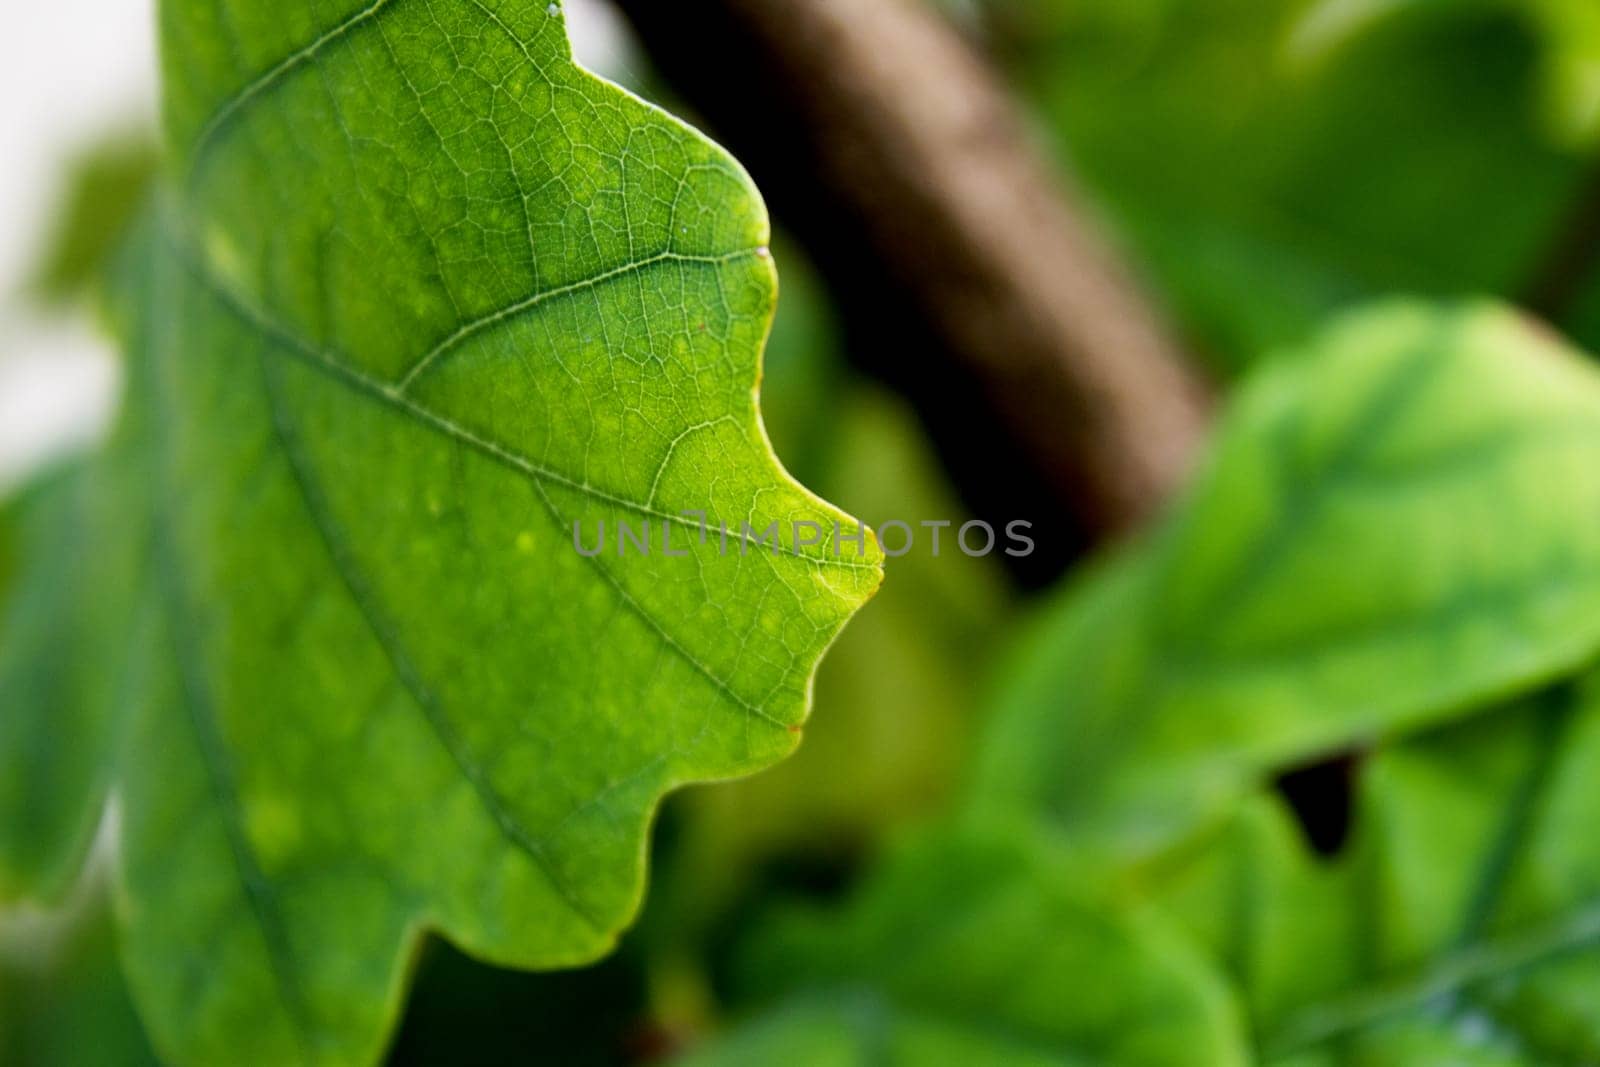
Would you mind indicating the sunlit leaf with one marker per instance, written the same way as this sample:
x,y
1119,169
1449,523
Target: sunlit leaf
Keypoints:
x,y
421,296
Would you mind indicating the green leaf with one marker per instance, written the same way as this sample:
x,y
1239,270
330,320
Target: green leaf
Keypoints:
x,y
1460,926
50,792
1393,528
1264,184
971,946
105,189
1569,31
423,296
65,606
62,997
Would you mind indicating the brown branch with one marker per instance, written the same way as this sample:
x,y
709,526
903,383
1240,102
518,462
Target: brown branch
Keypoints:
x,y
896,154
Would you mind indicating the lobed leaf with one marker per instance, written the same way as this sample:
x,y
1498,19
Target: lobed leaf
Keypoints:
x,y
421,295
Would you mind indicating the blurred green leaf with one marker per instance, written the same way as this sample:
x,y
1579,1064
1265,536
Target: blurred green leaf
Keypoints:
x,y
51,788
1568,32
1459,926
1397,526
1572,36
62,997
1462,922
64,638
972,947
103,191
423,295
1263,183
1395,529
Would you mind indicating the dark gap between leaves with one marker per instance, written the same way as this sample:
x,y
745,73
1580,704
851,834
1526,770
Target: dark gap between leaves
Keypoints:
x,y
1322,797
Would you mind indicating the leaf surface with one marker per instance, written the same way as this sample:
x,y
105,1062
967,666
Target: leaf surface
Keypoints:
x,y
62,996
1394,528
971,946
1462,923
421,295
66,591
1568,31
1265,178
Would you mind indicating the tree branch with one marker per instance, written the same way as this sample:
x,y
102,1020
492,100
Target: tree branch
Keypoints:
x,y
964,265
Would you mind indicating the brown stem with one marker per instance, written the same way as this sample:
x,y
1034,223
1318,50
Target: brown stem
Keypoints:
x,y
964,264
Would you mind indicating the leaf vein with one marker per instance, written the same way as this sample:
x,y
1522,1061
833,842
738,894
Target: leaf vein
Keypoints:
x,y
387,394
400,662
364,386
233,105
421,366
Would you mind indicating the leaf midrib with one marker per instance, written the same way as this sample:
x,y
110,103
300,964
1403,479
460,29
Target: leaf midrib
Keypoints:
x,y
425,362
400,662
260,899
